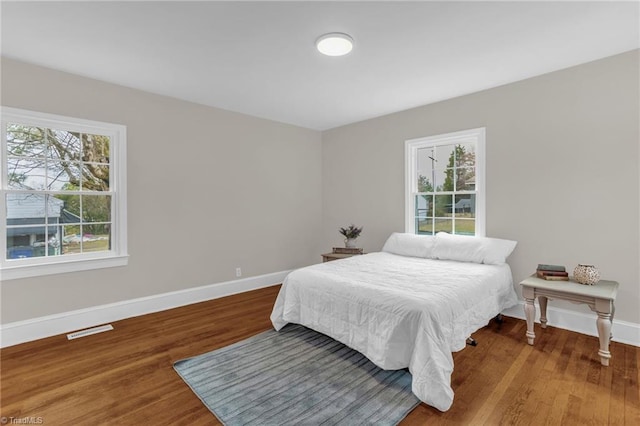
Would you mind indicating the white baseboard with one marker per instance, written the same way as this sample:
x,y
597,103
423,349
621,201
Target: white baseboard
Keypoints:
x,y
584,323
51,325
37,328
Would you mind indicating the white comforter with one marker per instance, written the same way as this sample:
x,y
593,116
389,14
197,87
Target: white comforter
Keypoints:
x,y
398,311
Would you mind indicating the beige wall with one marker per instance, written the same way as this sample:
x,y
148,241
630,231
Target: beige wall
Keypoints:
x,y
562,178
208,190
562,170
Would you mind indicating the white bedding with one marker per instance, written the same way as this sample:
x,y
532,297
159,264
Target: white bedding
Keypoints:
x,y
398,311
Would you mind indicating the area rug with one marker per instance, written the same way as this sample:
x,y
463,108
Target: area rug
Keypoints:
x,y
296,377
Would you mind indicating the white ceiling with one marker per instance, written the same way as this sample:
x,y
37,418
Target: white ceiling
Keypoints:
x,y
259,58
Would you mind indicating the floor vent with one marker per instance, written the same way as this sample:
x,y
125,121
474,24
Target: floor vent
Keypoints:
x,y
89,331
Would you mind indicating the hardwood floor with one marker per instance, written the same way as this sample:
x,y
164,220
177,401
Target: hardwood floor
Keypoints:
x,y
125,376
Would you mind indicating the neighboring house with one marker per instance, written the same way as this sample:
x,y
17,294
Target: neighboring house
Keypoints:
x,y
464,205
28,216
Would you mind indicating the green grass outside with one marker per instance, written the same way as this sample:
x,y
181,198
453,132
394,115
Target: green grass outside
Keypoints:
x,y
445,225
87,246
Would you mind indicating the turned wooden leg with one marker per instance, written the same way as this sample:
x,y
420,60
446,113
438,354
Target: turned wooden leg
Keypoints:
x,y
543,311
613,312
530,314
604,333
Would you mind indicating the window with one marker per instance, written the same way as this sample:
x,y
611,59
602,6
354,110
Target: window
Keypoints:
x,y
444,185
63,194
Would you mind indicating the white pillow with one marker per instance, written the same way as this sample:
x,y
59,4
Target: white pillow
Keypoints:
x,y
497,250
458,247
410,245
491,251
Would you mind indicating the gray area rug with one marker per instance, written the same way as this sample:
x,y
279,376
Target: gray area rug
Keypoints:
x,y
297,377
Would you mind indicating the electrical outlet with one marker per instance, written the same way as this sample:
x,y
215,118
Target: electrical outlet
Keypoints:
x,y
238,272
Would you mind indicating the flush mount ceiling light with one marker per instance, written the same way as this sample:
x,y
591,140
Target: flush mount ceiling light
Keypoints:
x,y
335,44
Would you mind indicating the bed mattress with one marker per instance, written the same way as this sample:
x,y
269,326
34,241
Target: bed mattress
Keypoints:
x,y
399,311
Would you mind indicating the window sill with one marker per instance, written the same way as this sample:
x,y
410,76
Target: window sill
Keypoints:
x,y
61,267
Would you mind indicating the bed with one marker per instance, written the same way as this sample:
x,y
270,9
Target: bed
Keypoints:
x,y
409,306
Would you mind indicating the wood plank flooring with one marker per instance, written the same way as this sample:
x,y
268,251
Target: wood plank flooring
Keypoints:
x,y
125,376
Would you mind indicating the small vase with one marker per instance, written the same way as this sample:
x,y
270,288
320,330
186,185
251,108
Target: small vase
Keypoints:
x,y
350,243
586,274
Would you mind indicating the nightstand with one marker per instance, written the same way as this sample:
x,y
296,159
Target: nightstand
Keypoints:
x,y
327,257
600,298
341,253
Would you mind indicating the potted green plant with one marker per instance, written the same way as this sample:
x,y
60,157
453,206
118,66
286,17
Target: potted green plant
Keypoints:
x,y
350,233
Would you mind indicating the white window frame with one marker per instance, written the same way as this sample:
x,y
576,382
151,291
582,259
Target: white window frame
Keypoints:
x,y
411,185
117,255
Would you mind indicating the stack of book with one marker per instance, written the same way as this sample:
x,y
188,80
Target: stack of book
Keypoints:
x,y
552,272
347,250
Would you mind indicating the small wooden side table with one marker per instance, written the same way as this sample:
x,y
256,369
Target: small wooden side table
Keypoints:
x,y
327,257
600,298
341,253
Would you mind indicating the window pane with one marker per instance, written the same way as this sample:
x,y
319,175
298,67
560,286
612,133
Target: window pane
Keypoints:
x,y
70,208
424,206
425,183
443,225
25,141
425,169
465,206
63,176
96,238
26,173
440,178
95,177
95,148
47,244
71,236
26,209
63,145
443,205
465,155
465,226
96,208
424,226
430,171
465,179
444,155
446,184
19,245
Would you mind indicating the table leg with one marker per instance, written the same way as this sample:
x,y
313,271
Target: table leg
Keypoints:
x,y
542,300
530,314
613,312
604,334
